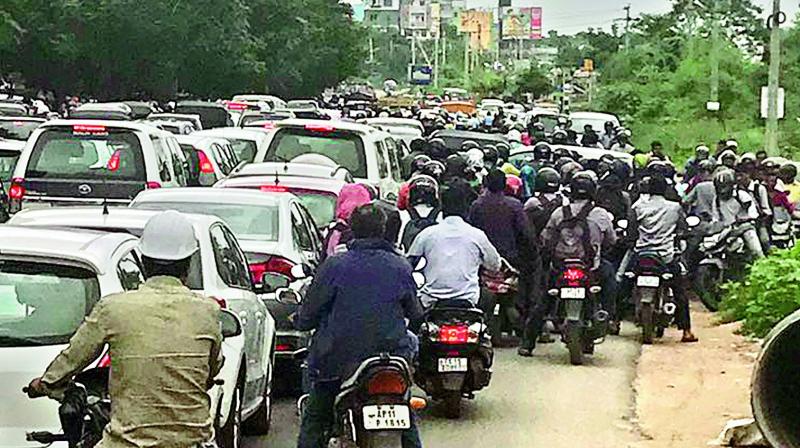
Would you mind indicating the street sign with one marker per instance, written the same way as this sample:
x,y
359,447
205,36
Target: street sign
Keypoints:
x,y
765,102
712,106
421,75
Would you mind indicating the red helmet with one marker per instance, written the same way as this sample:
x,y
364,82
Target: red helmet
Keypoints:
x,y
513,185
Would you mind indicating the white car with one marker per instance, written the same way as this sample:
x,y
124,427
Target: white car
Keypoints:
x,y
194,120
9,154
371,155
246,142
272,101
60,275
18,128
404,129
596,119
210,159
218,270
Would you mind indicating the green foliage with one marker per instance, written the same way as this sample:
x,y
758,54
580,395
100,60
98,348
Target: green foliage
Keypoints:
x,y
769,293
534,81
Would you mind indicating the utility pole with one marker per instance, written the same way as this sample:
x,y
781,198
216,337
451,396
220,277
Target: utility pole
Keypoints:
x,y
715,48
499,28
775,21
436,61
627,26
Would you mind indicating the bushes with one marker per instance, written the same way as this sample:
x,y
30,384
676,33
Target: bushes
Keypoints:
x,y
769,293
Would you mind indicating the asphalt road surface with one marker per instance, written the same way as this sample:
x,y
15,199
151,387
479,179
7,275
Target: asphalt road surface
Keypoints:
x,y
532,402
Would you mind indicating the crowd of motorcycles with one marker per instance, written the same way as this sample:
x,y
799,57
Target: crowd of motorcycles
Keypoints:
x,y
456,339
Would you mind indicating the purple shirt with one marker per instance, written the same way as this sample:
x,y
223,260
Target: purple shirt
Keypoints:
x,y
502,220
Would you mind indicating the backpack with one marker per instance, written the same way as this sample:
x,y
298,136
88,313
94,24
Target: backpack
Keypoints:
x,y
572,239
538,216
417,225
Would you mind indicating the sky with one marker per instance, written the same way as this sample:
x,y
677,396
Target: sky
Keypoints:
x,y
572,16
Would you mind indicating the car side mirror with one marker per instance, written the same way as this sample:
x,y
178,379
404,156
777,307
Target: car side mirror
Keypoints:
x,y
229,324
693,221
301,271
419,279
622,223
287,296
271,282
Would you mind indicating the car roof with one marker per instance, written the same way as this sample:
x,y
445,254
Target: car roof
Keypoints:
x,y
338,125
89,247
24,118
120,124
238,133
587,152
93,217
12,145
204,140
291,169
598,115
191,103
388,121
207,195
469,135
327,185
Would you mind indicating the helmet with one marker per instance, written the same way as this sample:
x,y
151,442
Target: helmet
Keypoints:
x,y
513,185
434,168
538,126
548,180
787,172
168,236
503,151
583,185
418,162
475,159
423,189
702,152
747,157
490,155
455,166
438,148
769,166
559,136
724,181
469,144
542,151
568,170
514,136
705,166
728,158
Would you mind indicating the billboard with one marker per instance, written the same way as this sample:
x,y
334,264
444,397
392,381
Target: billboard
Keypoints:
x,y
478,24
522,23
536,22
420,75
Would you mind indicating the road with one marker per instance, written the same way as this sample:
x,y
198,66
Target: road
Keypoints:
x,y
532,402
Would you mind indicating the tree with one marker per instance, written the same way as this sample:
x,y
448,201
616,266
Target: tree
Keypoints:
x,y
533,81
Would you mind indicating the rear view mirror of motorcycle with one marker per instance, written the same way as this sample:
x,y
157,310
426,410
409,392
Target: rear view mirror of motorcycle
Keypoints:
x,y
229,324
421,263
622,223
419,279
287,296
693,221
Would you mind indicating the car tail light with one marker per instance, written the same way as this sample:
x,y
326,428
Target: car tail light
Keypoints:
x,y
320,128
17,189
273,189
573,276
453,334
273,264
205,163
88,129
387,382
283,347
269,125
221,302
232,105
113,162
105,361
152,185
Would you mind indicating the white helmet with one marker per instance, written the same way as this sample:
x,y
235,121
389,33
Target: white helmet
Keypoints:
x,y
514,136
168,236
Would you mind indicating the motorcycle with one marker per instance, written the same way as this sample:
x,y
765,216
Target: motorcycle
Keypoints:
x,y
583,321
723,257
503,285
652,295
374,405
455,356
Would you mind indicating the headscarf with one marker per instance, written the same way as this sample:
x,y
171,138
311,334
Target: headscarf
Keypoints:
x,y
528,176
350,198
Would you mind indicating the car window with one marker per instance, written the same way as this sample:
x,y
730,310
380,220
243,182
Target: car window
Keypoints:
x,y
130,272
193,174
380,153
344,148
43,303
226,258
313,230
394,159
17,129
300,231
244,149
239,269
86,152
179,164
162,158
221,158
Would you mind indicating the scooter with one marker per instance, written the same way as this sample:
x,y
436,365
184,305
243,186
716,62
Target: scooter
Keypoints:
x,y
584,323
456,355
503,285
723,257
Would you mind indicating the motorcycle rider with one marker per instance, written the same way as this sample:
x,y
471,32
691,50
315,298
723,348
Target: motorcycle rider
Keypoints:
x,y
583,189
163,337
787,173
659,223
623,142
370,291
733,205
609,134
590,138
424,208
701,153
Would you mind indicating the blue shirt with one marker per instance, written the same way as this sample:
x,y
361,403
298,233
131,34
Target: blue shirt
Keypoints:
x,y
454,251
358,304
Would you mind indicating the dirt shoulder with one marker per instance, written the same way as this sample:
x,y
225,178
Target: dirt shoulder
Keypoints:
x,y
685,393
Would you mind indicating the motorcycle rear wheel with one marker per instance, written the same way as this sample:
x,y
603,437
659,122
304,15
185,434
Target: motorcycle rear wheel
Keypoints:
x,y
451,400
646,318
709,294
575,343
381,440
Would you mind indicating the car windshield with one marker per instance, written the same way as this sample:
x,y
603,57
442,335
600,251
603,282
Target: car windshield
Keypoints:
x,y
598,124
245,149
8,161
321,206
86,152
17,129
344,148
549,121
43,303
248,222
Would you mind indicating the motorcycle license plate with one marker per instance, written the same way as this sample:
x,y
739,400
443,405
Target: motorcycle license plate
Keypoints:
x,y
447,365
648,281
573,293
386,416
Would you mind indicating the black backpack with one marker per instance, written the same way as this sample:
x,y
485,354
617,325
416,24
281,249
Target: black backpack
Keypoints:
x,y
572,240
538,216
417,225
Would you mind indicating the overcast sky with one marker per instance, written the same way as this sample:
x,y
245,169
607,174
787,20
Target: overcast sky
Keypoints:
x,y
571,16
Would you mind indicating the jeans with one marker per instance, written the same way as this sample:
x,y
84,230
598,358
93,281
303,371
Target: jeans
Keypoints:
x,y
318,419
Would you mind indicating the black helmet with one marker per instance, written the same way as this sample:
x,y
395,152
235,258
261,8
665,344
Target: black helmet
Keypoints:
x,y
542,151
503,151
788,172
539,126
456,166
490,155
423,189
769,167
705,166
419,162
568,170
469,144
434,169
559,137
724,181
438,148
583,185
548,180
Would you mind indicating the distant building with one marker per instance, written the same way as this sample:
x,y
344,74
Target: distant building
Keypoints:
x,y
527,49
382,14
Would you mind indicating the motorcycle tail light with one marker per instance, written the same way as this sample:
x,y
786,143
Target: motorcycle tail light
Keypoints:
x,y
105,361
386,382
474,333
574,276
454,334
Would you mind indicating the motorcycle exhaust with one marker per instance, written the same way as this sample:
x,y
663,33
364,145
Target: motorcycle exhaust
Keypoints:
x,y
599,324
670,308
